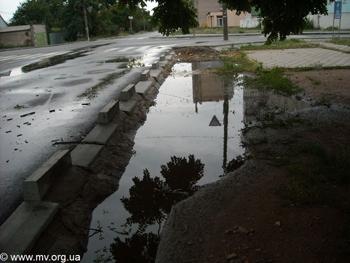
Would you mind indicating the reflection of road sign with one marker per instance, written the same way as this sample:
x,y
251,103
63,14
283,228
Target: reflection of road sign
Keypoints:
x,y
337,10
130,17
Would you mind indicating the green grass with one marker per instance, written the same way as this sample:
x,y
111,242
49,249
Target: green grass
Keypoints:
x,y
118,59
340,41
109,79
286,44
219,30
17,107
275,80
236,62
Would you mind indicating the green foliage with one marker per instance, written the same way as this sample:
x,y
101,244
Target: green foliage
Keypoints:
x,y
169,16
32,12
104,19
308,24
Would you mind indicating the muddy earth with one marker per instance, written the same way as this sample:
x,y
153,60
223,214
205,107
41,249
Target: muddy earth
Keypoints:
x,y
289,202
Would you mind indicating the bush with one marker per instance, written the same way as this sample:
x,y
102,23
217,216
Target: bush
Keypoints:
x,y
309,24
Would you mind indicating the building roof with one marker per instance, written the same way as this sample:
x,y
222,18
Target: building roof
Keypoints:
x,y
3,23
14,28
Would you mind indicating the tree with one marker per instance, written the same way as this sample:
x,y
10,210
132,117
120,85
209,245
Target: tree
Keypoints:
x,y
280,17
32,12
169,15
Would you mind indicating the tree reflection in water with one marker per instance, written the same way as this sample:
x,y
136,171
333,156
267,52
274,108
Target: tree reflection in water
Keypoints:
x,y
150,201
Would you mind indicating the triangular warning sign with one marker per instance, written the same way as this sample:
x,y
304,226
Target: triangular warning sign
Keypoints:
x,y
214,122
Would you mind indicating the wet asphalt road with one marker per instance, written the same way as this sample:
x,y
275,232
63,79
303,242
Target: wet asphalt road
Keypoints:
x,y
52,104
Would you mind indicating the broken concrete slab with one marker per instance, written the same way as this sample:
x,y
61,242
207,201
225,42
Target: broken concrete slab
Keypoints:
x,y
168,57
21,230
145,75
101,133
85,154
108,112
127,93
128,106
39,182
162,57
143,87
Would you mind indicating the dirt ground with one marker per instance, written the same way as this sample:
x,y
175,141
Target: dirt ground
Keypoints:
x,y
264,211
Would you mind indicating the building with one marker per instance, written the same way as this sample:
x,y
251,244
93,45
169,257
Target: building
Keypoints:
x,y
321,21
210,15
2,22
27,35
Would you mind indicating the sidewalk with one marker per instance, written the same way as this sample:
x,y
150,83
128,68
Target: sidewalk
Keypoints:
x,y
302,57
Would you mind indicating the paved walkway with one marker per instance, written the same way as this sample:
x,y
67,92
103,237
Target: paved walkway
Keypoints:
x,y
303,57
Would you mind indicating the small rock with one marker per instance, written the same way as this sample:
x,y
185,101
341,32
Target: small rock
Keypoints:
x,y
278,223
242,230
229,231
231,256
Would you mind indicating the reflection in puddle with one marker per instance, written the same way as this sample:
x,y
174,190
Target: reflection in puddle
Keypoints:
x,y
196,123
12,73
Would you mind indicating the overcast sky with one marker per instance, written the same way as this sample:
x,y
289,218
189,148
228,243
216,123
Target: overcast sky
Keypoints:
x,y
8,7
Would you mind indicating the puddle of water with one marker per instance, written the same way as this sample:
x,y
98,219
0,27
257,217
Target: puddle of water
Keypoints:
x,y
196,121
178,125
12,73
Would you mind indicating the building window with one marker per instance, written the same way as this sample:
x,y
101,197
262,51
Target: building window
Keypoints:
x,y
345,1
219,20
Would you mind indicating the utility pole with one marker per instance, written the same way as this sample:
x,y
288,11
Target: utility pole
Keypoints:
x,y
224,21
86,23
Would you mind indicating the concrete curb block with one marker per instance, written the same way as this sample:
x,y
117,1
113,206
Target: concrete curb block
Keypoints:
x,y
108,112
155,65
127,93
22,229
101,134
156,73
143,87
128,106
39,182
85,154
145,75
